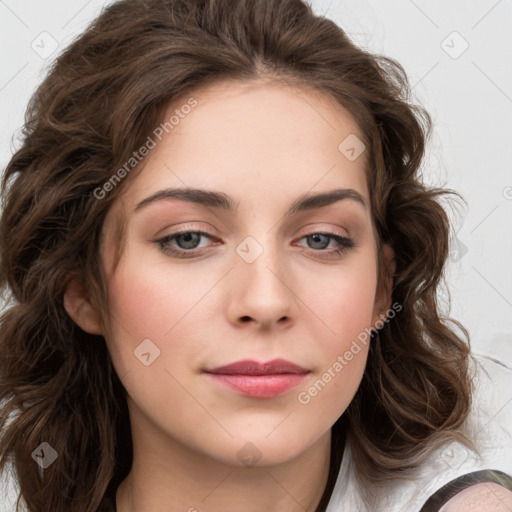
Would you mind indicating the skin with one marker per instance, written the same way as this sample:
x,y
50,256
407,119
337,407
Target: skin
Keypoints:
x,y
485,497
265,145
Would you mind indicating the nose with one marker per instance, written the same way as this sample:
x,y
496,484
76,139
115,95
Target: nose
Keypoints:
x,y
261,291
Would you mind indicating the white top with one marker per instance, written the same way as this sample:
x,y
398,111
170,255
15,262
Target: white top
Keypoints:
x,y
490,427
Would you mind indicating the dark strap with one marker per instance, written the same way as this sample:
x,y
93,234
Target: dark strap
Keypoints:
x,y
448,491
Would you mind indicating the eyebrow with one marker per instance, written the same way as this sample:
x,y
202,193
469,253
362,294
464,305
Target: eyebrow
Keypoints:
x,y
221,201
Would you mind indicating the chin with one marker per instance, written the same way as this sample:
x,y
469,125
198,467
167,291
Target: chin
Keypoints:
x,y
263,449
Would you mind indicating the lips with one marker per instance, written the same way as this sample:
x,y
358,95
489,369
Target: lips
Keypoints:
x,y
259,380
248,367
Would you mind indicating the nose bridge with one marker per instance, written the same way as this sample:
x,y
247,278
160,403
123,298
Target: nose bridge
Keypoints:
x,y
261,279
261,259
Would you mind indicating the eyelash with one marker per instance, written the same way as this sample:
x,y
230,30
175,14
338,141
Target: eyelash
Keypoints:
x,y
345,243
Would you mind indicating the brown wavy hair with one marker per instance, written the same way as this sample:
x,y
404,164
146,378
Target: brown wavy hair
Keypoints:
x,y
99,102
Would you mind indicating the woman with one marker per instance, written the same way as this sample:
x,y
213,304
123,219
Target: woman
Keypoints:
x,y
223,269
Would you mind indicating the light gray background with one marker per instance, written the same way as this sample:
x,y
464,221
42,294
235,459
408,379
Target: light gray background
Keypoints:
x,y
467,91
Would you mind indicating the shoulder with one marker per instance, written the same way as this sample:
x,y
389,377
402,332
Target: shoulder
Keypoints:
x,y
483,497
480,491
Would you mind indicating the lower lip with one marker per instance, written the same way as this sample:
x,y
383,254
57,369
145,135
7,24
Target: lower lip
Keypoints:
x,y
259,386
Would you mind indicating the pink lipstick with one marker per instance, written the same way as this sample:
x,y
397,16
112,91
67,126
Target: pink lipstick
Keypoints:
x,y
259,380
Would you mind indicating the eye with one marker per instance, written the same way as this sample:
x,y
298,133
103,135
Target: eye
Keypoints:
x,y
188,242
320,241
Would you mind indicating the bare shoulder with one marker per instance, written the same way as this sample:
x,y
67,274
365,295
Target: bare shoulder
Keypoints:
x,y
483,497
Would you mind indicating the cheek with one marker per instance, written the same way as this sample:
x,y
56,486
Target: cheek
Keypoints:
x,y
143,306
346,307
146,302
345,300
344,303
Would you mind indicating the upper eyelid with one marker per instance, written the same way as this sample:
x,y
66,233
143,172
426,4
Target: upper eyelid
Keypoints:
x,y
189,227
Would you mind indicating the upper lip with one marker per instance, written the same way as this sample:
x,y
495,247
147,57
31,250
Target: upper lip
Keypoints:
x,y
249,367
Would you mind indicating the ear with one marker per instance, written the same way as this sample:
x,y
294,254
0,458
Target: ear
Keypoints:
x,y
384,289
79,307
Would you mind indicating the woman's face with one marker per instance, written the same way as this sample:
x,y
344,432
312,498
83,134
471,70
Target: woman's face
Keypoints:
x,y
274,277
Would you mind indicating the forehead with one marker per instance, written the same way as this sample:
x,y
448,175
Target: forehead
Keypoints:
x,y
252,140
